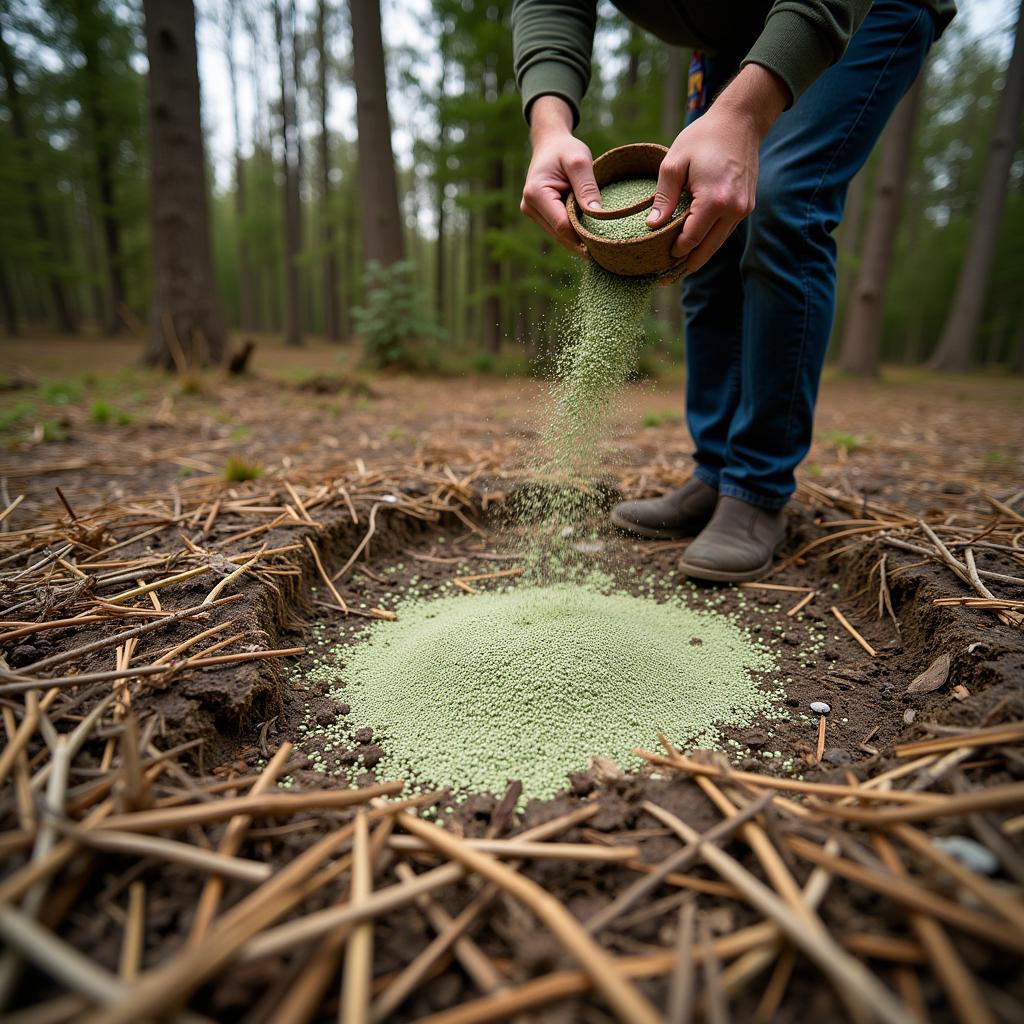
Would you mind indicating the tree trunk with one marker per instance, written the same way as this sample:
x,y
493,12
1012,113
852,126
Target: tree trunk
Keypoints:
x,y
332,312
493,222
440,181
185,322
7,301
862,332
62,306
292,209
378,183
246,288
670,310
850,236
956,344
110,229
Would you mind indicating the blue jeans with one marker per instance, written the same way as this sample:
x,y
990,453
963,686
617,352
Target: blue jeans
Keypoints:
x,y
759,313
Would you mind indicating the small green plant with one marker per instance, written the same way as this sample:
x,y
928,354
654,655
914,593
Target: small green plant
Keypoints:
x,y
400,435
50,430
237,470
847,443
240,433
60,392
995,457
659,419
396,323
813,469
103,413
15,415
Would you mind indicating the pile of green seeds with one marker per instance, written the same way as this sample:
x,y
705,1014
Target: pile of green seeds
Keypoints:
x,y
468,691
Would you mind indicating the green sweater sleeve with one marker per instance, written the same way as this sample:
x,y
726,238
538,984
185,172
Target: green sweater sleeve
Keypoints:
x,y
802,38
552,42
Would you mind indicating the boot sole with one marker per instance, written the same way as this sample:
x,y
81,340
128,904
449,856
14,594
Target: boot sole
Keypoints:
x,y
700,572
648,532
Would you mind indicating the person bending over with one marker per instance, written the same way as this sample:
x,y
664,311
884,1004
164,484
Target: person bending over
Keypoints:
x,y
786,100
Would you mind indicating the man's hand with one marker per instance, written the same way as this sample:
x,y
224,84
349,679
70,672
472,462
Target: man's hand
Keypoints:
x,y
715,159
560,163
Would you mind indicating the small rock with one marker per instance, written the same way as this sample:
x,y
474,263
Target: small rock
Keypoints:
x,y
371,755
819,707
582,784
909,715
348,757
831,656
325,716
589,547
953,488
344,709
792,702
969,852
366,779
978,647
23,654
837,756
755,739
364,735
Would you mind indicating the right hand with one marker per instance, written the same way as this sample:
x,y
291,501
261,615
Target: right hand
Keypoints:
x,y
560,164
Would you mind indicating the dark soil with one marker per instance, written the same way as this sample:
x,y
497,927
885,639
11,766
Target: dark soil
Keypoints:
x,y
243,712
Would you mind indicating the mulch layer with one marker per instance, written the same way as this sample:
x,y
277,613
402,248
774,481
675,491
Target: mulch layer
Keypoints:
x,y
151,691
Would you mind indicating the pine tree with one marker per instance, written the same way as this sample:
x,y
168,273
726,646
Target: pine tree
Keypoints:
x,y
185,324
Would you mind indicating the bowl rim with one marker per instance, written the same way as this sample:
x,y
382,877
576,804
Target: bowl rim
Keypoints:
x,y
572,207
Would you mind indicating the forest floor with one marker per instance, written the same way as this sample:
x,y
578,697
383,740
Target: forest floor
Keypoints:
x,y
385,479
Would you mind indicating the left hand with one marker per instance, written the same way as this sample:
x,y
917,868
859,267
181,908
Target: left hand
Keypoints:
x,y
715,159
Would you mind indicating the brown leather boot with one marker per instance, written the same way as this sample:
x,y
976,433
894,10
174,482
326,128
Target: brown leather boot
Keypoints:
x,y
683,512
737,545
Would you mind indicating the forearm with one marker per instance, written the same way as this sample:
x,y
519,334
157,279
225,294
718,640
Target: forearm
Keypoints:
x,y
549,115
756,96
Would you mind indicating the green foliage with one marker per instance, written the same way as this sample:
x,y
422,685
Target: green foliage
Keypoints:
x,y
847,443
660,419
237,470
103,413
51,430
60,392
396,323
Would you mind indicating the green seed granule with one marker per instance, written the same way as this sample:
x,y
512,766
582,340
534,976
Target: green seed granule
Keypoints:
x,y
625,193
529,683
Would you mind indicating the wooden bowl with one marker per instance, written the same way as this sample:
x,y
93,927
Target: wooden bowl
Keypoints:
x,y
648,255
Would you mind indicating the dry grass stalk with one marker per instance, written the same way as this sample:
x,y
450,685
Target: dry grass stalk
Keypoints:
x,y
172,851
848,974
231,841
949,970
679,861
623,997
990,895
821,789
134,933
354,1006
323,575
681,981
263,805
911,895
846,624
453,934
519,849
995,798
1011,732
